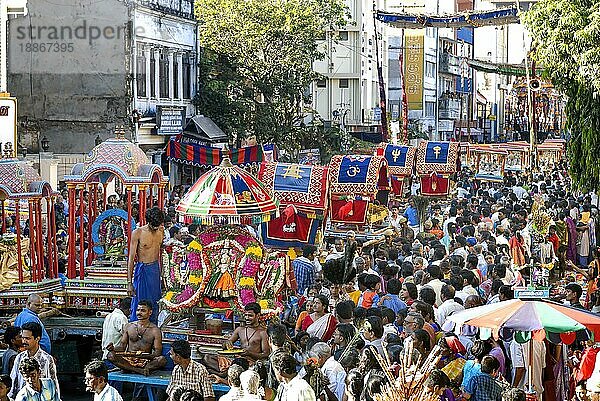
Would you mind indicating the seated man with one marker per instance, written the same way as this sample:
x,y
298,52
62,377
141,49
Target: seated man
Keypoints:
x,y
188,373
253,340
140,349
253,336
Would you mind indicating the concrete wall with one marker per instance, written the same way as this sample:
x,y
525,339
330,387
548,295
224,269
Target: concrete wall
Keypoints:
x,y
68,68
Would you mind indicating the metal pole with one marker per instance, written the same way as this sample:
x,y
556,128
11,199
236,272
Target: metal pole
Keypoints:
x,y
382,97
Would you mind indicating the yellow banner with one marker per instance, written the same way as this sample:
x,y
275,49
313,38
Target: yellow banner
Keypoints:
x,y
413,67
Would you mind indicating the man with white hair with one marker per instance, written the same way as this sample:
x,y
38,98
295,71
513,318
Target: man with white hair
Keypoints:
x,y
331,368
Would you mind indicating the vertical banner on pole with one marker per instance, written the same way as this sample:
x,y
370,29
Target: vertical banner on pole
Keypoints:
x,y
413,67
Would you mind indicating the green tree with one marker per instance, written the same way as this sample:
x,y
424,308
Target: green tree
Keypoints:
x,y
566,41
269,47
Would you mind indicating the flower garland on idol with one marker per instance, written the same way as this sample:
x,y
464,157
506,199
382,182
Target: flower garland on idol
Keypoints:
x,y
258,276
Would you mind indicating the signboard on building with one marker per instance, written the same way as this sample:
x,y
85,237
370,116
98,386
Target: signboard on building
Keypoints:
x,y
309,156
531,293
376,113
170,120
413,67
8,126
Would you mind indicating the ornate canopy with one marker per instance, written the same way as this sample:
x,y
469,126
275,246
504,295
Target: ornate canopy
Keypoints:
x,y
120,157
18,180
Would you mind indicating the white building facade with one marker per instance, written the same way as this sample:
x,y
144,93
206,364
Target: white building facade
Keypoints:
x,y
349,90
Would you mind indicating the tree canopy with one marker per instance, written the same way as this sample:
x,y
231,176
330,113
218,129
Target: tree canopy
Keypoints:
x,y
258,64
566,41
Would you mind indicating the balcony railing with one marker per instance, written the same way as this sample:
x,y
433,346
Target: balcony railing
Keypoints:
x,y
179,8
449,64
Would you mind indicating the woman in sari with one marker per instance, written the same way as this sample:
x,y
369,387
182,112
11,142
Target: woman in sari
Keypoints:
x,y
320,323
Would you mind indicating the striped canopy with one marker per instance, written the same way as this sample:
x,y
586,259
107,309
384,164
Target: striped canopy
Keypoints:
x,y
228,194
527,316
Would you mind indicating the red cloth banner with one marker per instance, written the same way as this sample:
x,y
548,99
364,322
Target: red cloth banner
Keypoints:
x,y
435,185
349,211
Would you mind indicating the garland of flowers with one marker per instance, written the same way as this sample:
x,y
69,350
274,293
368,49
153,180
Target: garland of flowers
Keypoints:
x,y
173,258
255,283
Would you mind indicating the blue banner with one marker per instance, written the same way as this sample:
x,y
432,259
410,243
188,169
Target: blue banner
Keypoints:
x,y
292,177
396,155
437,152
353,169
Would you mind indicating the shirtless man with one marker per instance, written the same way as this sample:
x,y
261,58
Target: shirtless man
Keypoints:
x,y
144,281
142,342
253,339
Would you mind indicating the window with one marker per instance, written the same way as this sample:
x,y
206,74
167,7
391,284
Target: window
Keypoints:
x,y
322,83
163,73
141,73
343,35
429,69
175,78
152,74
344,83
429,109
187,74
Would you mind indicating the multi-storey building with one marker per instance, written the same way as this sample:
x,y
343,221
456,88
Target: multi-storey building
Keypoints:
x,y
348,93
80,68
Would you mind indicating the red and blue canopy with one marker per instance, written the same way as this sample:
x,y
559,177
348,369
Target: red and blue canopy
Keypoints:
x,y
358,174
230,193
400,159
438,157
301,190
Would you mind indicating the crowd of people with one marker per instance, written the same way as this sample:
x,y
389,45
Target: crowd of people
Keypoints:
x,y
342,340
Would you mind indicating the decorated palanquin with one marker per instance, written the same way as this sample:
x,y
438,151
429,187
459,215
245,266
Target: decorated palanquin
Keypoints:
x,y
302,194
436,162
517,155
98,280
356,182
401,160
224,268
550,152
489,164
27,264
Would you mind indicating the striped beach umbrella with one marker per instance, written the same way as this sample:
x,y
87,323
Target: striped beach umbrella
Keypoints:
x,y
227,194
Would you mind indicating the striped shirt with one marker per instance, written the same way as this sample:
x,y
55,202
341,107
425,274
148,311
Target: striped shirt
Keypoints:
x,y
194,377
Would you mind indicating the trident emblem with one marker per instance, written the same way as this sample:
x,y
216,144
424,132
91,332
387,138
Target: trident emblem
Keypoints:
x,y
436,151
396,154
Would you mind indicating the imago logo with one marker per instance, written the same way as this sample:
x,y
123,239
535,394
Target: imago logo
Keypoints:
x,y
4,111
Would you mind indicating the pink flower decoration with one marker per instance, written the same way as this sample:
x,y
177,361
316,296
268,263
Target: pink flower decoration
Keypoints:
x,y
208,238
247,296
243,240
250,268
194,261
185,294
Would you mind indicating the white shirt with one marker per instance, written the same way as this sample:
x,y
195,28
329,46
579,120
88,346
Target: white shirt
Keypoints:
x,y
519,355
112,329
520,192
337,376
109,393
296,390
437,285
447,308
389,329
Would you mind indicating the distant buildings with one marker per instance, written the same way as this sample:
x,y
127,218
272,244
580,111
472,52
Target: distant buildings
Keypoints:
x,y
80,68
